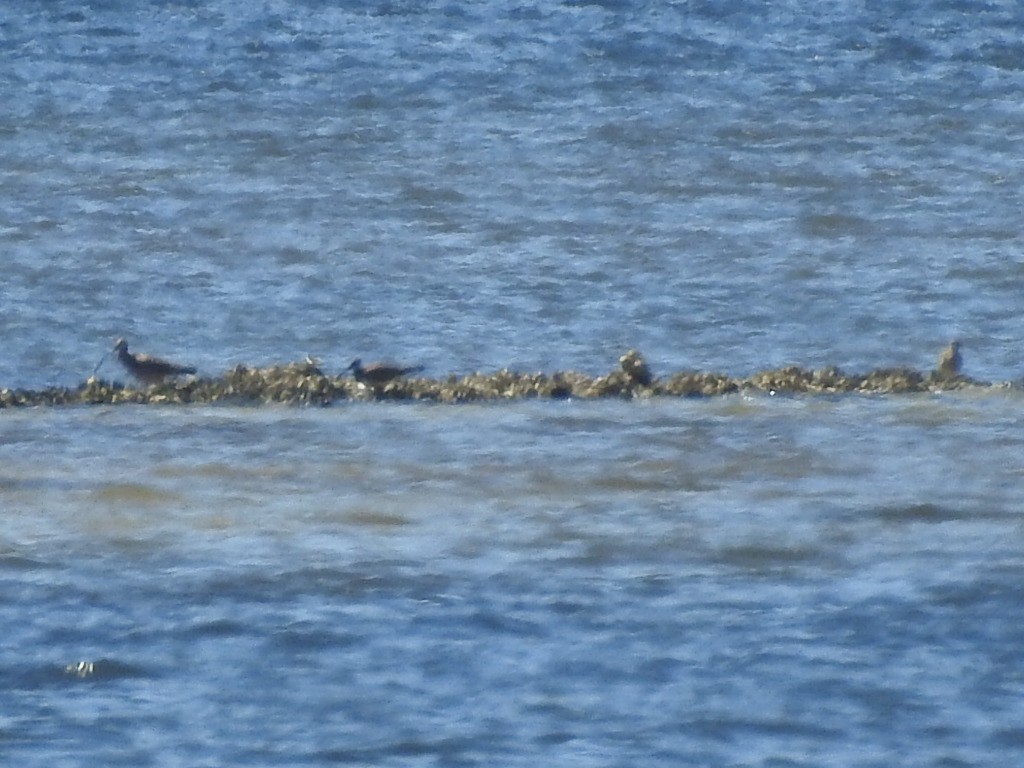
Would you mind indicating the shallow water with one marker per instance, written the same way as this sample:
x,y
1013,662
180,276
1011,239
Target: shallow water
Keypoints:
x,y
538,186
752,581
757,581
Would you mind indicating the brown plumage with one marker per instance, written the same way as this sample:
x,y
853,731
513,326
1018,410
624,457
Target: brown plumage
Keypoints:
x,y
949,360
634,366
148,370
379,374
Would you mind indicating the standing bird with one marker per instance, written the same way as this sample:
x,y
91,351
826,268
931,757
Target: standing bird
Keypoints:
x,y
950,361
634,366
148,370
376,375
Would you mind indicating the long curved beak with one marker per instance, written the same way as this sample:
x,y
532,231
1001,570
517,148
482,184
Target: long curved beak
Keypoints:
x,y
102,360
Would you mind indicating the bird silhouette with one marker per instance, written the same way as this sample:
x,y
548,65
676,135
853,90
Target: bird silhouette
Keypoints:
x,y
147,369
378,374
950,360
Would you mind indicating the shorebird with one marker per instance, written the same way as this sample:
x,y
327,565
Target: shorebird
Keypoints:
x,y
378,374
148,370
634,366
949,360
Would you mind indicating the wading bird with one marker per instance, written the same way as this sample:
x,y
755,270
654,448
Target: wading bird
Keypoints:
x,y
949,360
376,375
148,370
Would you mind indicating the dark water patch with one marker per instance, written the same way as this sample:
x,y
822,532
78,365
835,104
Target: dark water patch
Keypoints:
x,y
833,225
451,751
1007,56
34,484
1009,737
594,551
569,608
376,518
138,541
350,755
133,494
217,628
505,623
767,557
220,470
105,31
998,596
650,476
16,562
306,636
257,586
660,670
728,728
951,761
553,738
654,585
921,513
357,582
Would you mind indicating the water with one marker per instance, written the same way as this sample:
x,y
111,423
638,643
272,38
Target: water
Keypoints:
x,y
725,582
728,186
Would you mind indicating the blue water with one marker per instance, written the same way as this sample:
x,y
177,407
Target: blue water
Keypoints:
x,y
727,582
748,581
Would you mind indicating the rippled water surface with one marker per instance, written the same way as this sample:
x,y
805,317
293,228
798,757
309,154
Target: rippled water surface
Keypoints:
x,y
747,581
753,581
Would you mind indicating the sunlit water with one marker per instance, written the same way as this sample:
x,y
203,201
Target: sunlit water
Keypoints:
x,y
736,581
726,186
